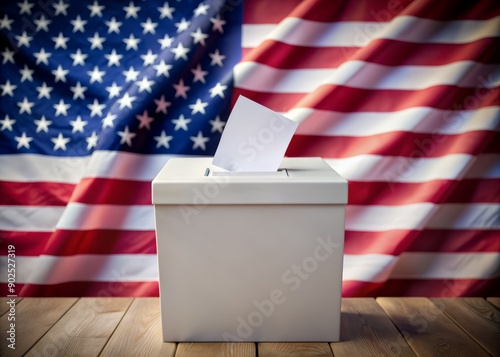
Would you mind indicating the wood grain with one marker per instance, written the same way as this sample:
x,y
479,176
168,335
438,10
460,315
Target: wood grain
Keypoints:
x,y
84,329
477,317
139,332
494,301
365,330
236,349
427,329
294,349
3,304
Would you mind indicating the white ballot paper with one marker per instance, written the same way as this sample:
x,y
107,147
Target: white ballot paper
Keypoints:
x,y
255,138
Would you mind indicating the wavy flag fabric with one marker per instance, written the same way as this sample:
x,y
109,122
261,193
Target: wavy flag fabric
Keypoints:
x,y
400,97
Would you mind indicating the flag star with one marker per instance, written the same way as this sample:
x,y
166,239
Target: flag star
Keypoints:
x,y
180,51
23,40
78,91
78,124
199,141
96,41
42,124
42,23
201,10
60,41
145,120
131,42
42,56
26,74
131,75
198,107
95,9
78,58
108,120
8,56
166,41
217,125
218,90
78,24
181,89
149,58
217,58
181,123
23,140
60,142
25,7
126,136
113,58
162,105
8,88
131,10
199,37
60,8
113,25
96,75
149,26
126,101
92,141
25,106
114,90
217,23
145,85
60,74
96,108
183,25
44,91
61,108
162,68
166,11
163,140
199,74
5,23
7,123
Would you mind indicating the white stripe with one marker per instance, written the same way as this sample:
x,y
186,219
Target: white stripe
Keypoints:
x,y
29,219
360,74
295,31
459,216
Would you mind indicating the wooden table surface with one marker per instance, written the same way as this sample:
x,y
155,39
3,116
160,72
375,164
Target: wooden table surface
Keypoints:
x,y
369,327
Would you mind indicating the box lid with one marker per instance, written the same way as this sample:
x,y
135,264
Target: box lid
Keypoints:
x,y
196,181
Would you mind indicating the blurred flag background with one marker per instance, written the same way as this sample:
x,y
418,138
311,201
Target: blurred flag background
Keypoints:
x,y
400,97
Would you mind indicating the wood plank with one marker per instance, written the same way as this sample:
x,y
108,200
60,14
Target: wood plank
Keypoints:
x,y
294,349
84,329
494,301
428,331
212,349
365,330
33,318
477,317
139,332
3,304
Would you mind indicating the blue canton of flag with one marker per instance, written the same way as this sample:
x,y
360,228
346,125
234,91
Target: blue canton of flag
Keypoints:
x,y
144,77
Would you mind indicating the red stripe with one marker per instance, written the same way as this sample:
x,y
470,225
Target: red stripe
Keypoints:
x,y
88,288
35,193
113,191
267,12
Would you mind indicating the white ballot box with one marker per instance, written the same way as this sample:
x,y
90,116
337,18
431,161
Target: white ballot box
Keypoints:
x,y
251,256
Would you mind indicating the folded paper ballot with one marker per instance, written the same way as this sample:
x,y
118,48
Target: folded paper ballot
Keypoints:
x,y
255,138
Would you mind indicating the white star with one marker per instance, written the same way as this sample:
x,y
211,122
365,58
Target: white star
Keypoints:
x,y
44,91
217,125
60,74
42,23
165,42
78,24
113,25
96,41
201,10
26,74
114,90
42,56
25,7
60,41
163,140
131,10
61,108
145,120
126,101
131,42
218,90
60,142
166,11
23,40
149,26
162,68
162,105
25,106
92,141
181,123
96,75
42,124
5,23
78,91
149,58
60,8
199,37
78,124
8,88
23,140
113,58
108,120
216,58
78,58
8,56
131,75
145,85
199,141
95,9
218,23
126,136
198,107
183,25
181,89
199,74
96,108
7,123
180,51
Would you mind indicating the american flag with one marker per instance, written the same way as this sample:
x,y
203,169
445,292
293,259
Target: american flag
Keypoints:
x,y
400,97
